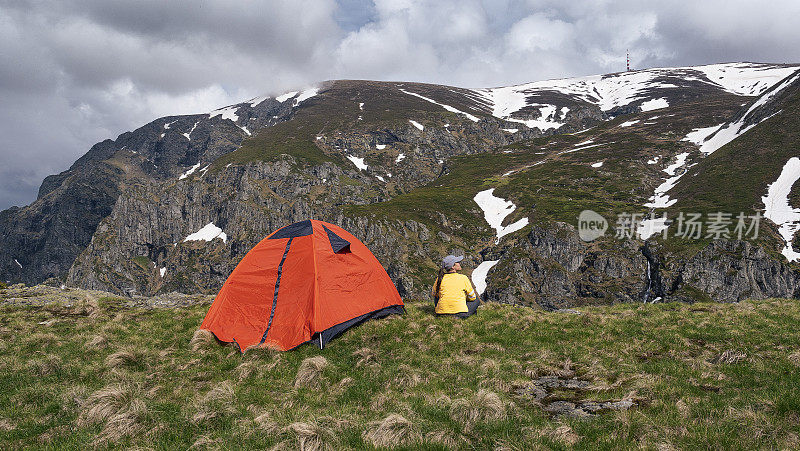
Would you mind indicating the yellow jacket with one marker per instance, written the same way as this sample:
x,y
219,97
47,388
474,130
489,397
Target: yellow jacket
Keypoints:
x,y
453,294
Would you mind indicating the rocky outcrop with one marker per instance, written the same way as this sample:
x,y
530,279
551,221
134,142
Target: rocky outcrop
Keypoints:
x,y
723,271
553,268
147,229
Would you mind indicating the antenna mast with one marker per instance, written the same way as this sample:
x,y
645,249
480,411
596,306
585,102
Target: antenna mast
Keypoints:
x,y
628,60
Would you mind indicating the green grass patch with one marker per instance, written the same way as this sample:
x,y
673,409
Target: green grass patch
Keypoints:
x,y
703,373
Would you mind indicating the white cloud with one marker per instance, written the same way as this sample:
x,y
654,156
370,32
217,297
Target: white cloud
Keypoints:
x,y
75,72
538,32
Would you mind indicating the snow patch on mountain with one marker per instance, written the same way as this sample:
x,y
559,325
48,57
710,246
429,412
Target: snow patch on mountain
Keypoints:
x,y
479,275
284,97
256,100
305,95
546,120
699,135
616,90
731,131
745,79
446,107
189,172
660,199
495,210
400,157
417,124
597,165
582,148
778,210
654,104
359,162
189,135
628,123
229,112
207,233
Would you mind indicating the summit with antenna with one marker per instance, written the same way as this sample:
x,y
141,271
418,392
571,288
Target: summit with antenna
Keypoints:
x,y
628,60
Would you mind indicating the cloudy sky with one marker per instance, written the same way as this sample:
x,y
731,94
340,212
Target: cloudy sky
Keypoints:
x,y
73,73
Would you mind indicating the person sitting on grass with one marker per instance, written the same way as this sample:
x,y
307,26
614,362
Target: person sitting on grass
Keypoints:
x,y
452,292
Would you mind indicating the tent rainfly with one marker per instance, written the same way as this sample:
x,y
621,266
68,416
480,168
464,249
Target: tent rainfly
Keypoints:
x,y
308,281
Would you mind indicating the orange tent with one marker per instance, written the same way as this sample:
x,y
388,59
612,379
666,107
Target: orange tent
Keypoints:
x,y
307,281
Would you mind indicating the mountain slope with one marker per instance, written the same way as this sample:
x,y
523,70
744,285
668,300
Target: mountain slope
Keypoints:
x,y
398,164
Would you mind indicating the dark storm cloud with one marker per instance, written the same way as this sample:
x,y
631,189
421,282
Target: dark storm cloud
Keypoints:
x,y
75,72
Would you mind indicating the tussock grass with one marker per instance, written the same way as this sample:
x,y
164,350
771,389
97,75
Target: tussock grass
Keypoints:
x,y
127,357
794,358
6,425
448,439
202,339
120,408
98,341
310,373
459,384
312,437
217,403
392,431
365,356
45,366
207,442
484,406
562,434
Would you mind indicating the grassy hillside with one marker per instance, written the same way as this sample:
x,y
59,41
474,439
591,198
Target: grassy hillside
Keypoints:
x,y
98,373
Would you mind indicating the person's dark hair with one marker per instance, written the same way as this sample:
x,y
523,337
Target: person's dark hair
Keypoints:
x,y
438,284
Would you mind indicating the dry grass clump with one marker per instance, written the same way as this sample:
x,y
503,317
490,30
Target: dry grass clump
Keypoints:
x,y
485,406
310,372
365,356
407,377
263,352
42,339
98,341
562,434
392,431
312,437
445,438
219,401
245,370
6,425
261,421
45,366
125,357
206,442
730,356
74,397
265,423
794,358
202,340
120,407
